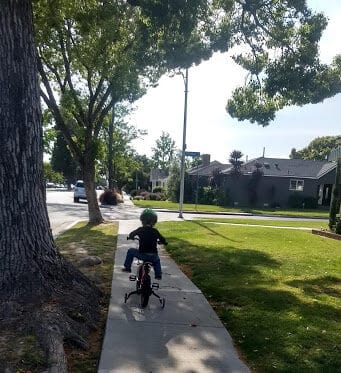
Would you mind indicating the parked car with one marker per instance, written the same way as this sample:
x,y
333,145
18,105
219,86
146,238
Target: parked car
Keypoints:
x,y
79,191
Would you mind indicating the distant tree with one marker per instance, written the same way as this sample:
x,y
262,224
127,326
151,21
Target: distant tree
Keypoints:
x,y
236,162
294,154
63,162
50,175
164,151
335,204
317,149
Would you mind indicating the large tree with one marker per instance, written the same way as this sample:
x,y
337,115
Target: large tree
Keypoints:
x,y
91,55
164,151
35,279
282,60
94,54
318,148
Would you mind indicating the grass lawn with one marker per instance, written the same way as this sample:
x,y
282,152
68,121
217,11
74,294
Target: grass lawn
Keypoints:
x,y
277,291
311,224
212,208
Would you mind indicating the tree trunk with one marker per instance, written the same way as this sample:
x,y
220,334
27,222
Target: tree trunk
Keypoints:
x,y
95,215
335,203
110,149
26,240
35,279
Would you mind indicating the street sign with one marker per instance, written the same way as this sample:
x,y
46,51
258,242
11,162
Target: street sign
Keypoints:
x,y
192,154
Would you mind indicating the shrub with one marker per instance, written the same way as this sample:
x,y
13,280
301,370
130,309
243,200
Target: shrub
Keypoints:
x,y
109,197
158,189
310,202
138,198
154,197
298,201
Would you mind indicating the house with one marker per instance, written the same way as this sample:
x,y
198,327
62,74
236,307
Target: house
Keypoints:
x,y
276,182
158,178
207,168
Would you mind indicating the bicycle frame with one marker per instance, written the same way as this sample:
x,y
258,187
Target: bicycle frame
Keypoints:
x,y
144,286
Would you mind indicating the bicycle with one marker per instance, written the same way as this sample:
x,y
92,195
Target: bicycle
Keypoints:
x,y
144,286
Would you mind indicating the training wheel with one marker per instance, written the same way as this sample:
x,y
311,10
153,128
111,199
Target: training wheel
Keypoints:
x,y
163,301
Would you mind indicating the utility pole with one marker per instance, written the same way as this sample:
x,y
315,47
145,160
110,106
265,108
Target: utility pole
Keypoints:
x,y
182,171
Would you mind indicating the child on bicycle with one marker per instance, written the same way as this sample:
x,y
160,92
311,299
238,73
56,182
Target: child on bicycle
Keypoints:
x,y
148,237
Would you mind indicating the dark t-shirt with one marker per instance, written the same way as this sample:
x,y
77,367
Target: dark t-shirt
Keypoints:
x,y
149,237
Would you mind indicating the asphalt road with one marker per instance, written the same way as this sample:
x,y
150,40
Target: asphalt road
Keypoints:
x,y
63,212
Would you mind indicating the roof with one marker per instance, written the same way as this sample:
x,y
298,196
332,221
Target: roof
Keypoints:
x,y
207,170
279,167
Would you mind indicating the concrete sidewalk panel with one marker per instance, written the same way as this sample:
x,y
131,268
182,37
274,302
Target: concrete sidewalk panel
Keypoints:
x,y
186,336
136,347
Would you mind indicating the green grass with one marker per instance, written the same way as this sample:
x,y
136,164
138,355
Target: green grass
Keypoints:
x,y
312,224
212,208
276,291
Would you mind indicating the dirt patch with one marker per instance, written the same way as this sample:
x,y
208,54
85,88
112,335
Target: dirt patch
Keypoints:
x,y
327,234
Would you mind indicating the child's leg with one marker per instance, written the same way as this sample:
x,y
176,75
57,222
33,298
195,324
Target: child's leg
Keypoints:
x,y
157,267
131,253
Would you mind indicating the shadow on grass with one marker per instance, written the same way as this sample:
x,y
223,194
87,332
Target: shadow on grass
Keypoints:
x,y
275,328
204,225
320,285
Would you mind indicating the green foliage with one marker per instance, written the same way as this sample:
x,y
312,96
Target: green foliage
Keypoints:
x,y
299,201
51,175
282,60
164,152
158,190
235,161
173,185
62,161
317,149
335,204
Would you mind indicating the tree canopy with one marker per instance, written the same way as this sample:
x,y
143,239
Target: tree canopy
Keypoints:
x,y
283,59
92,55
317,149
164,151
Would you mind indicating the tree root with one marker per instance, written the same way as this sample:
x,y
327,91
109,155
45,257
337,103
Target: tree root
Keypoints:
x,y
68,314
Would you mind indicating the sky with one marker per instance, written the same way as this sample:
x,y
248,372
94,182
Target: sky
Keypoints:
x,y
210,130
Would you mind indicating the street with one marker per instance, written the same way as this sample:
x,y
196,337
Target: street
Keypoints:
x,y
63,212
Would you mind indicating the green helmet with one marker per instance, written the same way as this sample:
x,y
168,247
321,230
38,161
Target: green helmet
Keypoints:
x,y
148,217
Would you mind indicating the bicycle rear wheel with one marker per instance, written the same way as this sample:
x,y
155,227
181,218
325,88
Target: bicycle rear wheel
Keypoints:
x,y
146,291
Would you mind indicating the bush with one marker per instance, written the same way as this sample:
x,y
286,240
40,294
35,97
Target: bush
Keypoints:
x,y
310,203
296,201
109,197
302,202
138,198
158,189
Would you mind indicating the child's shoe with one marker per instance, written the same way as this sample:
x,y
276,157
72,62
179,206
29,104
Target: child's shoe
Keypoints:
x,y
124,269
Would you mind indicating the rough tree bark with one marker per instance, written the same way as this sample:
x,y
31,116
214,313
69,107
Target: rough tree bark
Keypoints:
x,y
35,279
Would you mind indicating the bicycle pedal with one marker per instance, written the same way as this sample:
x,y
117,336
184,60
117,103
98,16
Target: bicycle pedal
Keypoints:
x,y
155,285
132,278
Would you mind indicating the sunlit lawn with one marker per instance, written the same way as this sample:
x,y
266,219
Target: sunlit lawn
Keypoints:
x,y
277,291
212,208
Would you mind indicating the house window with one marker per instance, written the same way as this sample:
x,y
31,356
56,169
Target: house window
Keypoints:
x,y
296,184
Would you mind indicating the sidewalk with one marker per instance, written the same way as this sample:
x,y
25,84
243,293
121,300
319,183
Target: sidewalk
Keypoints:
x,y
186,336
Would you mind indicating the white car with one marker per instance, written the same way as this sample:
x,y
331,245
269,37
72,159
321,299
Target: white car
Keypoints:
x,y
79,191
